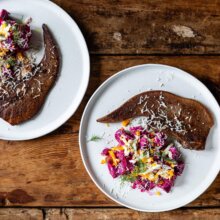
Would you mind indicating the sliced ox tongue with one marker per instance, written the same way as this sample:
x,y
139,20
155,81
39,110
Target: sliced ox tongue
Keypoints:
x,y
30,95
185,119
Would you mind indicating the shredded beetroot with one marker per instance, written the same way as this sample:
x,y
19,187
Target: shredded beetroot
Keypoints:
x,y
142,158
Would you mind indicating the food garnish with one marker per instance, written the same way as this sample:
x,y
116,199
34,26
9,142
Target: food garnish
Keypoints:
x,y
96,138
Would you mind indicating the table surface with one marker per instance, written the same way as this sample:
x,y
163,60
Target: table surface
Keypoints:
x,y
45,178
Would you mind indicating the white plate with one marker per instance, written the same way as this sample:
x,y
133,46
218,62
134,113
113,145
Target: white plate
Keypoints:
x,y
201,166
71,85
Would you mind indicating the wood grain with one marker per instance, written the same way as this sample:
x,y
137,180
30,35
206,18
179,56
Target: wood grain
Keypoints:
x,y
107,214
48,171
147,27
123,214
21,214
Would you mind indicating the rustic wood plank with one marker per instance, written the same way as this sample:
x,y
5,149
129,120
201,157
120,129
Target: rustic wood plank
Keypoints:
x,y
122,214
103,213
147,27
48,171
21,214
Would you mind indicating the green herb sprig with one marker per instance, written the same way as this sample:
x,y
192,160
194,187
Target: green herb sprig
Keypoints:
x,y
96,138
128,178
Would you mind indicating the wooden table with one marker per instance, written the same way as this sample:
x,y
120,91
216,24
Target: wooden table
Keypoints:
x,y
45,178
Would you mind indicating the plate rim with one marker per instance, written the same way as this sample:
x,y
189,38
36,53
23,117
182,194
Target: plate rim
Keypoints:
x,y
73,107
197,194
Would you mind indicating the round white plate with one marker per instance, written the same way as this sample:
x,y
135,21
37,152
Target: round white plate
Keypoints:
x,y
67,93
201,166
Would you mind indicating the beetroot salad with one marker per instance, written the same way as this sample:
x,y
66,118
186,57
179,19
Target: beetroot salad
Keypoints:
x,y
144,159
14,42
14,35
